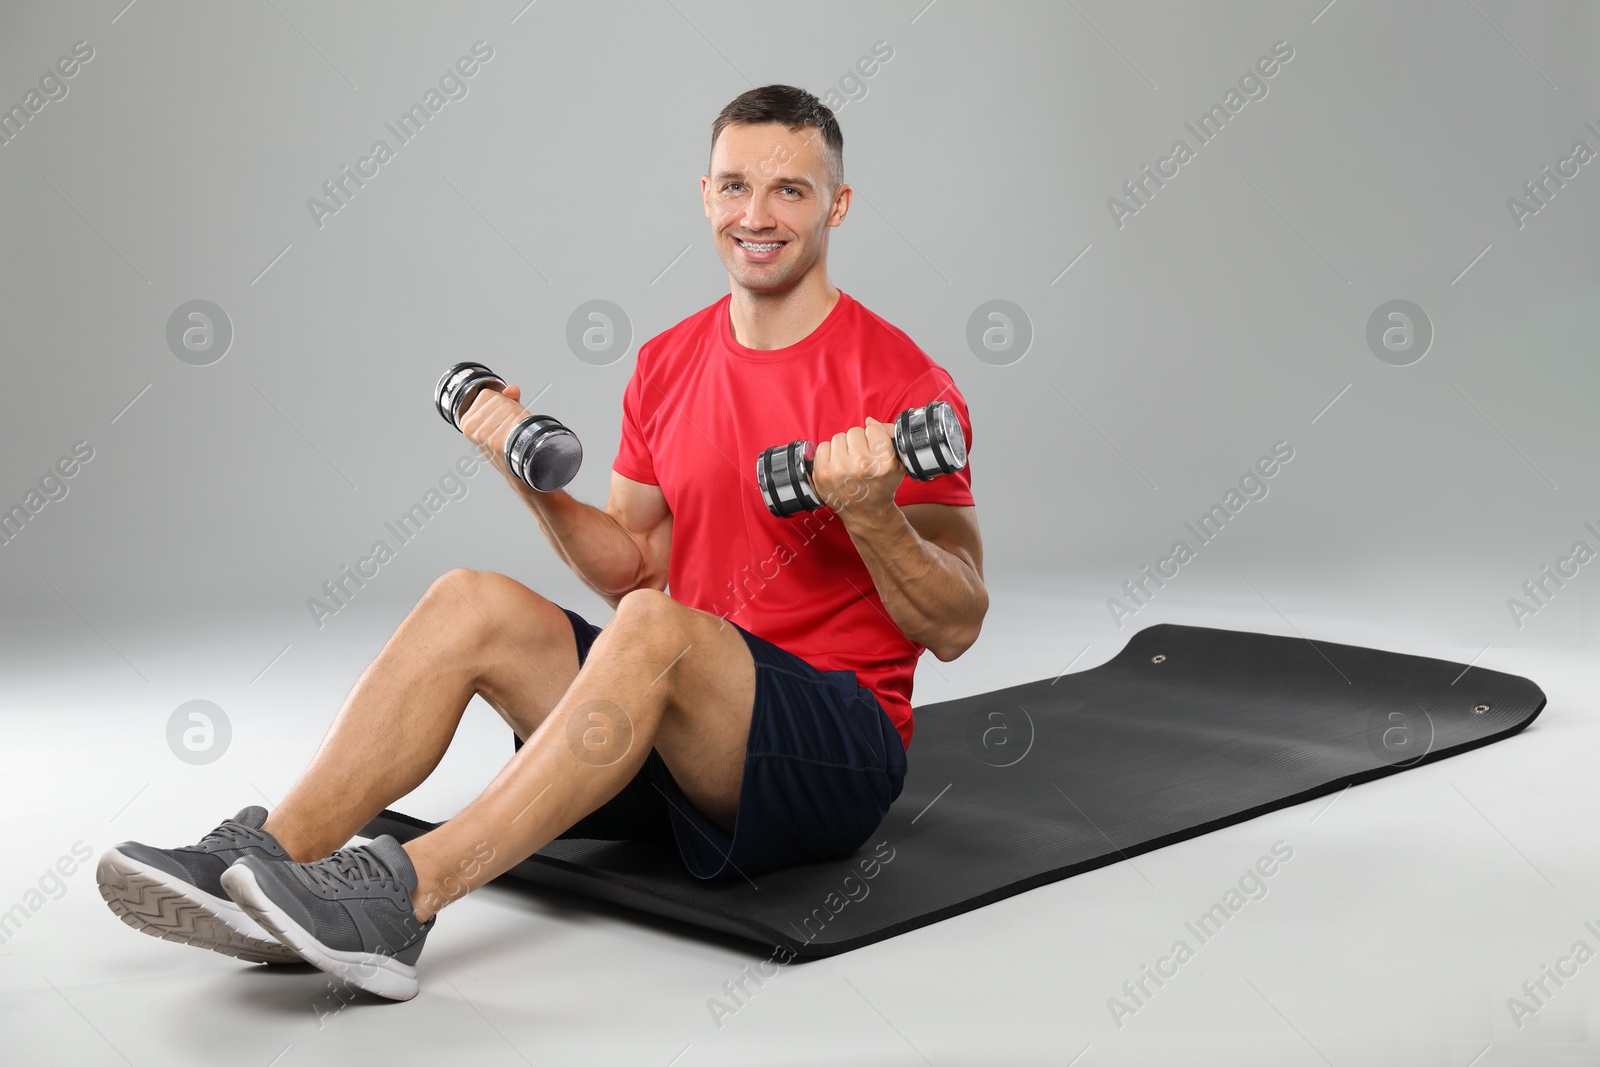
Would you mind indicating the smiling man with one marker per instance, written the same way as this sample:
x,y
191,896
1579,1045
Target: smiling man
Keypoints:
x,y
749,700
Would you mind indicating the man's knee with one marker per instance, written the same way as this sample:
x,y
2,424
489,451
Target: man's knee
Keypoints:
x,y
649,617
647,607
462,583
478,604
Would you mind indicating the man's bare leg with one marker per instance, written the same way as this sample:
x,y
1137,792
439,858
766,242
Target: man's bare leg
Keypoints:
x,y
472,632
659,675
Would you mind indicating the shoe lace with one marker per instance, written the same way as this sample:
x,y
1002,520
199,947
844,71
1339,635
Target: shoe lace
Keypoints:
x,y
230,834
349,868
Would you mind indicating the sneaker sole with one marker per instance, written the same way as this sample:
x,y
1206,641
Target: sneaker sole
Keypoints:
x,y
374,972
154,902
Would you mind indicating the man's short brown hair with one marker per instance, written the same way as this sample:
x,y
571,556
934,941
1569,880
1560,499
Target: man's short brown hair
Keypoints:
x,y
793,108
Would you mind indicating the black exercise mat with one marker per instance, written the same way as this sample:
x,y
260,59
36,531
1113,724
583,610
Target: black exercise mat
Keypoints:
x,y
1187,730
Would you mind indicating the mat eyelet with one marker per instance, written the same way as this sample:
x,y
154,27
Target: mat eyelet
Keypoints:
x,y
1159,657
1480,709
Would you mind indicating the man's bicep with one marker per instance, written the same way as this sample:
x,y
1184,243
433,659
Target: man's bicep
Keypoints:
x,y
641,509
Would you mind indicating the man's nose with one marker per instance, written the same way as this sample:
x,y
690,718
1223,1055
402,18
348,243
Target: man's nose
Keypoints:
x,y
757,214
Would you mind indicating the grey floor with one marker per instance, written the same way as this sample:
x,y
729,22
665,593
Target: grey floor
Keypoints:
x,y
1411,910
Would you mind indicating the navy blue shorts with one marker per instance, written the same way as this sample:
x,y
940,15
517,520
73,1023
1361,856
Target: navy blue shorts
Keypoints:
x,y
821,767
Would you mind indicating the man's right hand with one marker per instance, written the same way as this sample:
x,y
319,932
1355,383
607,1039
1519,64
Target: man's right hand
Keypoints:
x,y
490,420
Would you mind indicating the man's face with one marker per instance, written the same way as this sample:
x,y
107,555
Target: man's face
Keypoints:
x,y
769,186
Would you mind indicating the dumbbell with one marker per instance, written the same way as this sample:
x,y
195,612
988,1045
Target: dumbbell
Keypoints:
x,y
540,451
928,441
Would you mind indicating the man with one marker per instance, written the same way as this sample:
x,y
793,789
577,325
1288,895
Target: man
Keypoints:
x,y
676,720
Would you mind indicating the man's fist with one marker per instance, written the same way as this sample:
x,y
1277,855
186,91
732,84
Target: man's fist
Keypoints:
x,y
858,469
490,419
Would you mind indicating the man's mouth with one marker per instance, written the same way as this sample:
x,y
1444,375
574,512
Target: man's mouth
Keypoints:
x,y
759,247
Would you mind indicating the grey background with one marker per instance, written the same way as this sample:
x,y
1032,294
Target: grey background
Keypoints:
x,y
1228,314
983,153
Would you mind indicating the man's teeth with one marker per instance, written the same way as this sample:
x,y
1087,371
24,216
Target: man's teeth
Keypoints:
x,y
760,248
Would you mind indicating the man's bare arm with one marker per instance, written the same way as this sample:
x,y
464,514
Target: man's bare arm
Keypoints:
x,y
614,550
926,561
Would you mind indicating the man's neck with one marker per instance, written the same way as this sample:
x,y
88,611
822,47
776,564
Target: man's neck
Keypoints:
x,y
766,321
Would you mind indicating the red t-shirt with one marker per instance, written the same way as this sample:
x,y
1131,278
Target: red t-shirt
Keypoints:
x,y
701,407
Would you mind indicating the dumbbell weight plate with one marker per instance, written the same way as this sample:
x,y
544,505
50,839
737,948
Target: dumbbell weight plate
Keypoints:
x,y
543,453
784,476
930,441
459,386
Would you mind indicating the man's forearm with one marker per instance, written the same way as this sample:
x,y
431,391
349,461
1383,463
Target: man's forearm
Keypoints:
x,y
598,548
603,555
935,597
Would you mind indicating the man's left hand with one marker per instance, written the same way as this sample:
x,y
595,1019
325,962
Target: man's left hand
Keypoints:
x,y
858,471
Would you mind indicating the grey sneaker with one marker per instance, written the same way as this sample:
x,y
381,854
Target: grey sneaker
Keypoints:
x,y
176,893
350,914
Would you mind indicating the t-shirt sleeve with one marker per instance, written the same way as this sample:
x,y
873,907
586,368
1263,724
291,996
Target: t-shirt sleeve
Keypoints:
x,y
956,488
633,451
